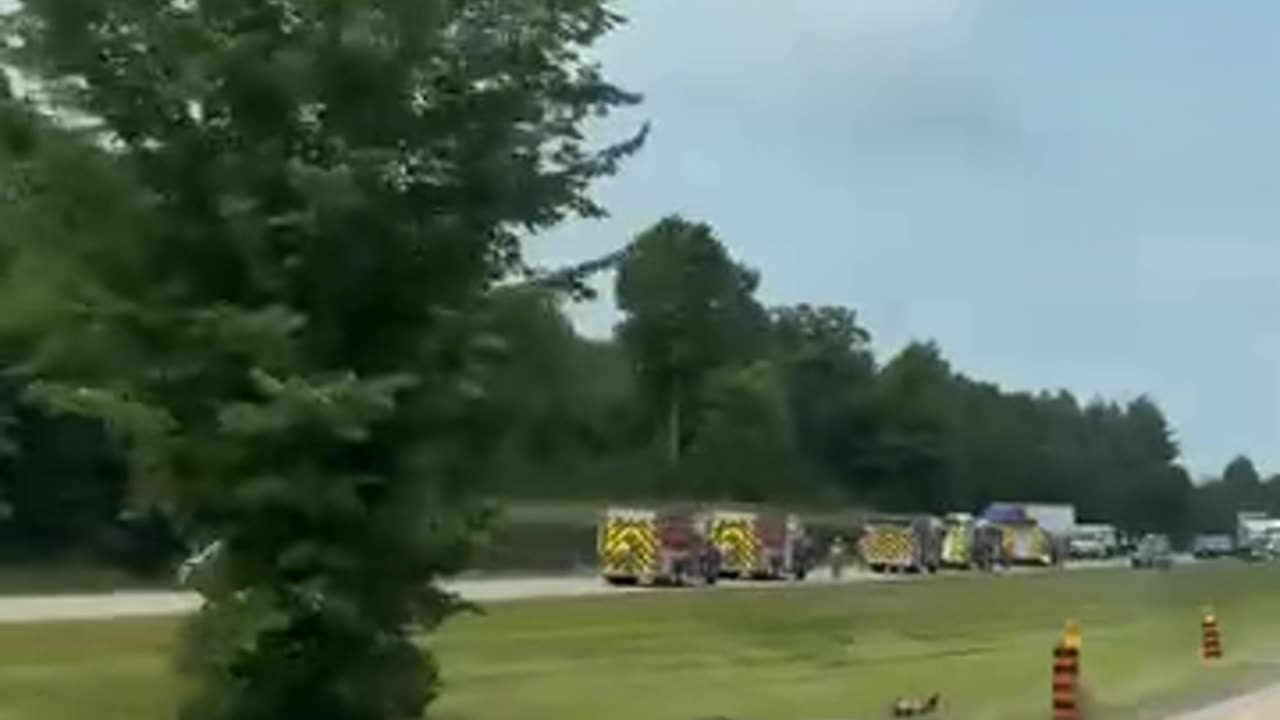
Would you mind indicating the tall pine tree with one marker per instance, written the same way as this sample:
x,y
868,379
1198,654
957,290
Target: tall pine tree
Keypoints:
x,y
250,235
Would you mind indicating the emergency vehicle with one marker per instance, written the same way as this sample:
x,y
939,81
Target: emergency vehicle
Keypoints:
x,y
1022,540
638,546
1027,544
901,544
958,541
761,545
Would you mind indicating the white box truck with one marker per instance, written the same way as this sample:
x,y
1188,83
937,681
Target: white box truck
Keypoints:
x,y
1056,519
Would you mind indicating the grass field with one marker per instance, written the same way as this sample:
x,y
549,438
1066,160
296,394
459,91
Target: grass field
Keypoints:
x,y
983,642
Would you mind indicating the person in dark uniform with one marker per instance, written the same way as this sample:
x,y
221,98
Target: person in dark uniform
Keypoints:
x,y
710,563
801,556
837,557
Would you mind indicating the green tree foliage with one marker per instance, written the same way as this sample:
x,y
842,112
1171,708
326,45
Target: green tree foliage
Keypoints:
x,y
1156,493
64,483
912,401
828,374
1242,477
533,383
255,238
565,402
688,309
744,447
1214,507
62,476
1239,488
798,410
793,407
62,479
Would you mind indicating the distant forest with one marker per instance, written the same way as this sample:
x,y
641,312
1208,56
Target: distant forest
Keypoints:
x,y
705,392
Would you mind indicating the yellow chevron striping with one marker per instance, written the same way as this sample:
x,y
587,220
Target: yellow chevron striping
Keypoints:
x,y
957,545
629,548
738,543
888,545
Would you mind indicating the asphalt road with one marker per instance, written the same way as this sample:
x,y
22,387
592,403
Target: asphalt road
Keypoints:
x,y
1261,704
37,608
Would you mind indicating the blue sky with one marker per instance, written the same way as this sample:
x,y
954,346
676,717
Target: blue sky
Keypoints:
x,y
1063,193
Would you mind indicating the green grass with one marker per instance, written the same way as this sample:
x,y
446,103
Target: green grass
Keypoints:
x,y
984,642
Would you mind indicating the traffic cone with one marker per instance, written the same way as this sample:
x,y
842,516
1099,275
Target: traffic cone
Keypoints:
x,y
1066,674
1071,633
1210,636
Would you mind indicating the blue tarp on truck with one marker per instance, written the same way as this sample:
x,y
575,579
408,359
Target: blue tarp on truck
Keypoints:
x,y
1006,514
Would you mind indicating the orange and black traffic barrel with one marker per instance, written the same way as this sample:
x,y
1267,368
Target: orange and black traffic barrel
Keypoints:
x,y
1066,675
1210,637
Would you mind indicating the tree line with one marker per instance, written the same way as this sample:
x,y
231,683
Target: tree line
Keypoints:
x,y
1239,487
703,391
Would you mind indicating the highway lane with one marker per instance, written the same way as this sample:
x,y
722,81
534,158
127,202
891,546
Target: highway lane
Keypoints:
x,y
38,608
124,603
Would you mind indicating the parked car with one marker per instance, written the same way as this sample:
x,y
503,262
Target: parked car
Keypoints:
x,y
1153,552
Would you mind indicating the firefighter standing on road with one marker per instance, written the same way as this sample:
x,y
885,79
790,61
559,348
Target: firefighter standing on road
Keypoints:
x,y
837,557
710,562
802,560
